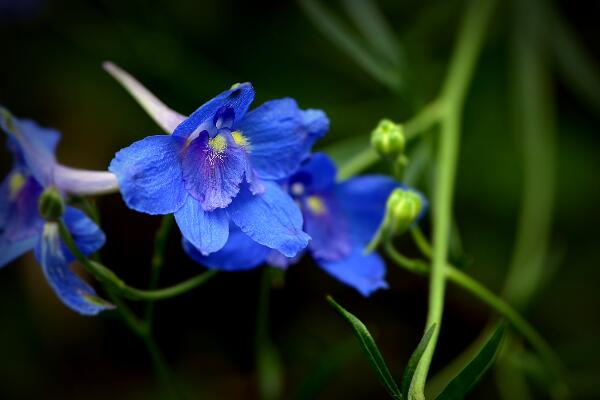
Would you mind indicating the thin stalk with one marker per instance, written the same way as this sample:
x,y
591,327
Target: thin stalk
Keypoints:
x,y
500,306
414,127
267,361
470,39
107,277
158,260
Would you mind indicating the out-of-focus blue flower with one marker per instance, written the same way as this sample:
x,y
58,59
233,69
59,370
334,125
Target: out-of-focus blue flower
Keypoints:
x,y
341,218
22,228
220,167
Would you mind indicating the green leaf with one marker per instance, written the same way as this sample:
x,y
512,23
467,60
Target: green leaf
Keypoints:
x,y
339,35
369,20
470,375
370,349
411,366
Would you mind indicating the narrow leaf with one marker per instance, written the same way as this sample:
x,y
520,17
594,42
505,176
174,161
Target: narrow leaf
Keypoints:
x,y
340,36
411,366
369,20
470,375
370,349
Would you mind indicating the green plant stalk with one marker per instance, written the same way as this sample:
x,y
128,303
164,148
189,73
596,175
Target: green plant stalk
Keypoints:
x,y
414,127
140,328
158,260
477,18
109,278
500,306
267,362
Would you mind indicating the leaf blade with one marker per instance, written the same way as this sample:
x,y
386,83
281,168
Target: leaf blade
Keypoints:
x,y
470,375
369,347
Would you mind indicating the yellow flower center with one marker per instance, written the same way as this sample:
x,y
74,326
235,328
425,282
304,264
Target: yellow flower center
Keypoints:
x,y
240,139
15,184
316,205
218,144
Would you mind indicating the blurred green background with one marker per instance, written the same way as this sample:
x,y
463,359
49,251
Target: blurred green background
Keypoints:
x,y
186,52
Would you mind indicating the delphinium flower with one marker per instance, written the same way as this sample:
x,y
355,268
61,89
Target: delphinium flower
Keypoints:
x,y
341,218
219,167
35,173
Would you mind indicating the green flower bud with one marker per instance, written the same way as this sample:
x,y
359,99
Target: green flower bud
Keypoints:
x,y
51,204
388,139
403,208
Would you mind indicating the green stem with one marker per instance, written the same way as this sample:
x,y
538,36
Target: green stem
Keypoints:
x,y
415,126
500,306
421,241
468,47
158,260
267,360
109,278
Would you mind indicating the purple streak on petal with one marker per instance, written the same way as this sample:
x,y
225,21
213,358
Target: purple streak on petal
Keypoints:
x,y
212,174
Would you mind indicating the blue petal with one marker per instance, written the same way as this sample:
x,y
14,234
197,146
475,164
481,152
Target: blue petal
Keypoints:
x,y
87,235
362,201
239,254
207,231
69,288
327,226
317,174
11,250
237,98
278,132
365,273
19,216
316,126
150,175
32,145
212,173
271,219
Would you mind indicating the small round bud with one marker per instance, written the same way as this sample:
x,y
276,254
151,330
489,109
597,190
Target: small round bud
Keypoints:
x,y
403,208
51,204
388,139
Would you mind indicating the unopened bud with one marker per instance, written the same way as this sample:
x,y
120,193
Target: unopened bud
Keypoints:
x,y
388,139
51,204
404,208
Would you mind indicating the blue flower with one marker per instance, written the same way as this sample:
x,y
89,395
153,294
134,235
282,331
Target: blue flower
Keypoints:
x,y
220,166
22,228
341,218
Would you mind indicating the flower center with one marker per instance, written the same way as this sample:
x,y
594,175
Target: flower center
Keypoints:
x,y
218,144
316,205
17,180
241,140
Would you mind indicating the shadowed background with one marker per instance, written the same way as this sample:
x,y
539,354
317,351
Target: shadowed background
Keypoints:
x,y
185,53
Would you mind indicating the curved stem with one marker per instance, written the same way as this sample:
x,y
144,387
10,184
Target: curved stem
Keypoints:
x,y
414,127
453,93
107,277
500,306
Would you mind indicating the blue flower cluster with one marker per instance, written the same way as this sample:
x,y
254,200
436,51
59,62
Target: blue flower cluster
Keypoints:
x,y
242,184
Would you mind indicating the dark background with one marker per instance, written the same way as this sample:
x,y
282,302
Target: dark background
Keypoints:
x,y
50,70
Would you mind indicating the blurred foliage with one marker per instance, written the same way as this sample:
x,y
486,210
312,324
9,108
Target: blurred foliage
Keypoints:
x,y
185,52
